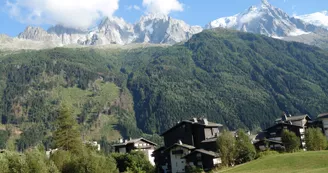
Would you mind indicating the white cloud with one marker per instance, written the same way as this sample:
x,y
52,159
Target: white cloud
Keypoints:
x,y
135,7
70,13
162,6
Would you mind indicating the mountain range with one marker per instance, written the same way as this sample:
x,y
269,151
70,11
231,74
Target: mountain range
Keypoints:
x,y
238,79
152,28
262,19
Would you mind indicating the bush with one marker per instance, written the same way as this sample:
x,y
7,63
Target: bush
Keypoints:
x,y
87,161
61,159
37,162
291,141
227,148
4,163
16,162
315,139
194,169
245,150
266,153
135,162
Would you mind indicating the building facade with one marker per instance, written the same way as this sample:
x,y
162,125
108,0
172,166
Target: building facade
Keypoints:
x,y
140,144
270,138
324,119
181,140
203,158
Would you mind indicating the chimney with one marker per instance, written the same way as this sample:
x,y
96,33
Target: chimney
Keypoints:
x,y
289,115
120,140
249,133
284,116
180,142
195,120
205,121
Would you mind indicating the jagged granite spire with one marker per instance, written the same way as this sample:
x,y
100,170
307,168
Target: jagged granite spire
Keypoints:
x,y
266,2
264,19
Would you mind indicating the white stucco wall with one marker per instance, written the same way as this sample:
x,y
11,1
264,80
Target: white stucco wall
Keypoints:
x,y
150,157
178,164
122,150
217,161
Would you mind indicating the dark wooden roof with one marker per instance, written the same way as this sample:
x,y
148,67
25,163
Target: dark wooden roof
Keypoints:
x,y
268,140
210,140
189,147
209,124
282,124
132,141
323,115
296,118
209,153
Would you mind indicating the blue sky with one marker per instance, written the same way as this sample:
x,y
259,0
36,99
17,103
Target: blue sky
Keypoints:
x,y
194,12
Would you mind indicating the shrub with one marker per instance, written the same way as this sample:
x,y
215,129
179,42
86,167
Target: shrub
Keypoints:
x,y
315,139
266,153
36,162
16,162
227,145
86,161
245,150
194,169
135,162
290,141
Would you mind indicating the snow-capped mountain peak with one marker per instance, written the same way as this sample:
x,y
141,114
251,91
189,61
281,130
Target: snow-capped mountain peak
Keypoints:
x,y
265,4
151,28
264,19
158,28
317,19
154,16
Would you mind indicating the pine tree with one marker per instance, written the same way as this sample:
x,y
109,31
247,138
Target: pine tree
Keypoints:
x,y
67,135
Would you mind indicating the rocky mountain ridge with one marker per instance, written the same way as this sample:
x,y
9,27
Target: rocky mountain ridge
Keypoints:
x,y
262,19
152,28
267,20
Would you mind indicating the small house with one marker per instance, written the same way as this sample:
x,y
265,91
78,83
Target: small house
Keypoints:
x,y
204,159
177,152
271,137
191,132
139,144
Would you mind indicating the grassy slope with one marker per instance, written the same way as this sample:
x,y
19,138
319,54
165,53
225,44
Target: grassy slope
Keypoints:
x,y
295,162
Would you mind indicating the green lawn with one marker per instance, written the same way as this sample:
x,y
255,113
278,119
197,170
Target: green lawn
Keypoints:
x,y
305,162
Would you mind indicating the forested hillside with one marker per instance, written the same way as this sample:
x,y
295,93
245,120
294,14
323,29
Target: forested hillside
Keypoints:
x,y
238,79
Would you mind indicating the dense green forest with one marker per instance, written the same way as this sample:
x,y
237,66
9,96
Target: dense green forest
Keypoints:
x,y
238,79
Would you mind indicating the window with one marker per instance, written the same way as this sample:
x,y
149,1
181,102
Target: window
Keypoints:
x,y
273,133
177,152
